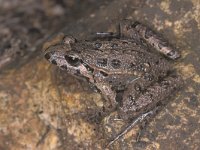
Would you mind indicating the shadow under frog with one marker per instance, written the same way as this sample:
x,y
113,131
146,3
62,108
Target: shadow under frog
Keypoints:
x,y
132,69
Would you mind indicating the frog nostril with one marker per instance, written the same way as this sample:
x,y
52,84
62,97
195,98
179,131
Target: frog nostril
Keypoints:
x,y
74,61
47,56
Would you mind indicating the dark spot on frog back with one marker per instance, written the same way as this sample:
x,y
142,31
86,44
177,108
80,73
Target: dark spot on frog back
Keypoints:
x,y
102,62
98,45
114,45
148,77
115,63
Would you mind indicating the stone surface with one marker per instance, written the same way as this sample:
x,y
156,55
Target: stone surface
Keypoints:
x,y
42,107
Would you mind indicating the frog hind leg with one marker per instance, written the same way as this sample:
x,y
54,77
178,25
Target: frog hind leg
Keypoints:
x,y
152,96
109,95
139,31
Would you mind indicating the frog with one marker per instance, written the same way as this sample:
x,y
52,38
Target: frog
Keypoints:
x,y
131,68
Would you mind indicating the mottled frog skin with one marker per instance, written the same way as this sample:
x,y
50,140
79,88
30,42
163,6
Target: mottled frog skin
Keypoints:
x,y
132,71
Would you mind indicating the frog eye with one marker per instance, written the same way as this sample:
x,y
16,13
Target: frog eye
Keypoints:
x,y
72,60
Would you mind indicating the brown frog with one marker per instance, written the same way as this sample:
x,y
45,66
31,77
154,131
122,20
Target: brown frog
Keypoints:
x,y
124,67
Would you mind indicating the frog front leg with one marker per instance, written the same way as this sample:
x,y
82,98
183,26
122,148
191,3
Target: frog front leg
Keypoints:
x,y
109,96
109,104
149,98
137,30
106,90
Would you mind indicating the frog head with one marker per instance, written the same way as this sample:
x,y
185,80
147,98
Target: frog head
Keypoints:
x,y
62,55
